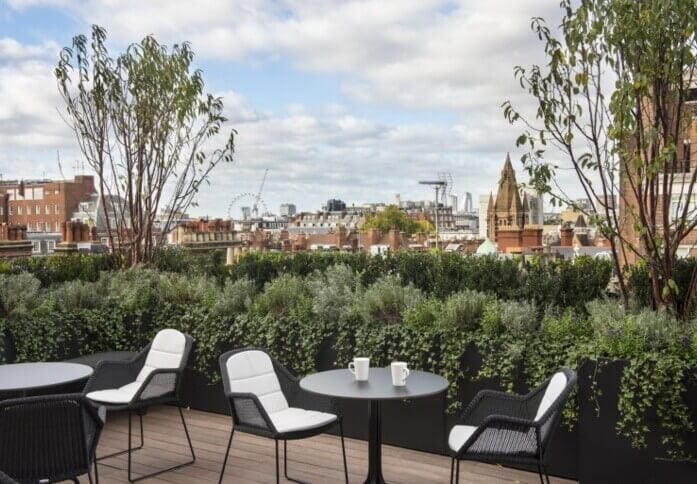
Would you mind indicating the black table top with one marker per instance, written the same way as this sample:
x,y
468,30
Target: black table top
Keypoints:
x,y
28,376
343,384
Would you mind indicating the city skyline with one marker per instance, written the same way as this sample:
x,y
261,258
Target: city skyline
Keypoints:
x,y
336,101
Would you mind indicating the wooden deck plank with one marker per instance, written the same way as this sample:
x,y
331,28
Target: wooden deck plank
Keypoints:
x,y
251,461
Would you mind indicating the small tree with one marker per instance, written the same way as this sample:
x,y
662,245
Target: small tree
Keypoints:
x,y
612,99
392,217
144,124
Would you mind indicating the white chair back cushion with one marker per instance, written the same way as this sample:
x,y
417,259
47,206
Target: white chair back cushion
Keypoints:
x,y
554,388
166,352
252,372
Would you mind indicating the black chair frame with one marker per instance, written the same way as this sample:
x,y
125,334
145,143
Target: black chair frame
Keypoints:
x,y
515,413
64,460
290,386
114,374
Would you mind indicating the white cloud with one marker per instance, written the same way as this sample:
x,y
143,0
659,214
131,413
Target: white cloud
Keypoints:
x,y
420,56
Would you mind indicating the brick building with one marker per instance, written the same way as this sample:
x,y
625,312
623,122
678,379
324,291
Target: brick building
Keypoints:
x,y
681,172
43,205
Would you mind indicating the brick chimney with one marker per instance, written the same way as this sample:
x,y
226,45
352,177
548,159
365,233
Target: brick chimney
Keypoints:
x,y
566,235
532,236
394,237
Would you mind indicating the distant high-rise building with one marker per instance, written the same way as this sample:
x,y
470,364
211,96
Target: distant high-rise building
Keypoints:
x,y
335,205
483,207
536,203
246,213
287,210
468,203
453,203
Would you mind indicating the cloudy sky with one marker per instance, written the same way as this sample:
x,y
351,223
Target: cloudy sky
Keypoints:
x,y
355,100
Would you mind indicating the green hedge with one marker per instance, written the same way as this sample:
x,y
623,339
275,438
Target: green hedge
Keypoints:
x,y
387,309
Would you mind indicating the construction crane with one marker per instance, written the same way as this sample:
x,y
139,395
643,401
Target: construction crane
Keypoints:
x,y
255,207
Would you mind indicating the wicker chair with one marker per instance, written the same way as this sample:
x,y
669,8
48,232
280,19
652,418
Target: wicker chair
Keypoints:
x,y
5,479
153,377
49,438
511,429
266,400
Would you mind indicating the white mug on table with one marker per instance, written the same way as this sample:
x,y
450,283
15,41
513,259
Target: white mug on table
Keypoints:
x,y
400,372
360,368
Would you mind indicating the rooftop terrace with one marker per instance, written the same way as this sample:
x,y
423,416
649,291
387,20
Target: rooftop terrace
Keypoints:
x,y
251,460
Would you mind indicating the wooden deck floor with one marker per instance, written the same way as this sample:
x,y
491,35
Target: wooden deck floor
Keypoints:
x,y
316,460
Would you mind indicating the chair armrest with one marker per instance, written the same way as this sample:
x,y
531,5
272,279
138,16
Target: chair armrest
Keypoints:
x,y
252,416
112,374
488,402
159,382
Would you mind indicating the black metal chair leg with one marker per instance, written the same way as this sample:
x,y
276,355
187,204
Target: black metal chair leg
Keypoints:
x,y
343,448
96,472
121,452
457,472
157,473
285,465
452,469
539,471
227,451
278,477
544,469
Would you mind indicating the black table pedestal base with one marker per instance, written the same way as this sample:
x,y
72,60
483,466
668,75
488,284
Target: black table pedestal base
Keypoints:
x,y
375,445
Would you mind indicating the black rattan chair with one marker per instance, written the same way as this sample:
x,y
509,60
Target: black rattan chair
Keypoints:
x,y
49,438
511,429
266,399
153,377
5,479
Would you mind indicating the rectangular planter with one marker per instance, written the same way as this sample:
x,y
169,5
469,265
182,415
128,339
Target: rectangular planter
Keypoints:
x,y
607,457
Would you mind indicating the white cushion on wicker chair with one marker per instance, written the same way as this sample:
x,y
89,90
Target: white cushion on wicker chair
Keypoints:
x,y
554,389
166,352
296,419
253,372
459,435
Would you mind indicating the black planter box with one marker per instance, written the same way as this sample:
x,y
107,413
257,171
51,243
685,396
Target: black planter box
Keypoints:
x,y
605,456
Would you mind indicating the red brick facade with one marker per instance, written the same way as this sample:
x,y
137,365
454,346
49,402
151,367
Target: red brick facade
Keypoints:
x,y
42,205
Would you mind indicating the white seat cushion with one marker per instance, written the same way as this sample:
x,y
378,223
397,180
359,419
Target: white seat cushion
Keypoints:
x,y
296,419
252,372
459,435
166,352
123,394
552,392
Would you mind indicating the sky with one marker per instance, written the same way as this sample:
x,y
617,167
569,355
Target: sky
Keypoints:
x,y
357,100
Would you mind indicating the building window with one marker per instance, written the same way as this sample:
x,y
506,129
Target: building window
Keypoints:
x,y
36,247
10,210
47,209
55,209
58,226
50,246
1,211
19,210
38,193
37,210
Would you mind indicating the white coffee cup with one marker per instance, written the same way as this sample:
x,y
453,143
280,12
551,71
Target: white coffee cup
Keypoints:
x,y
400,373
360,368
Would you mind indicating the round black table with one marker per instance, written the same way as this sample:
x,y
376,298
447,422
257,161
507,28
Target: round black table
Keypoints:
x,y
22,377
342,384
